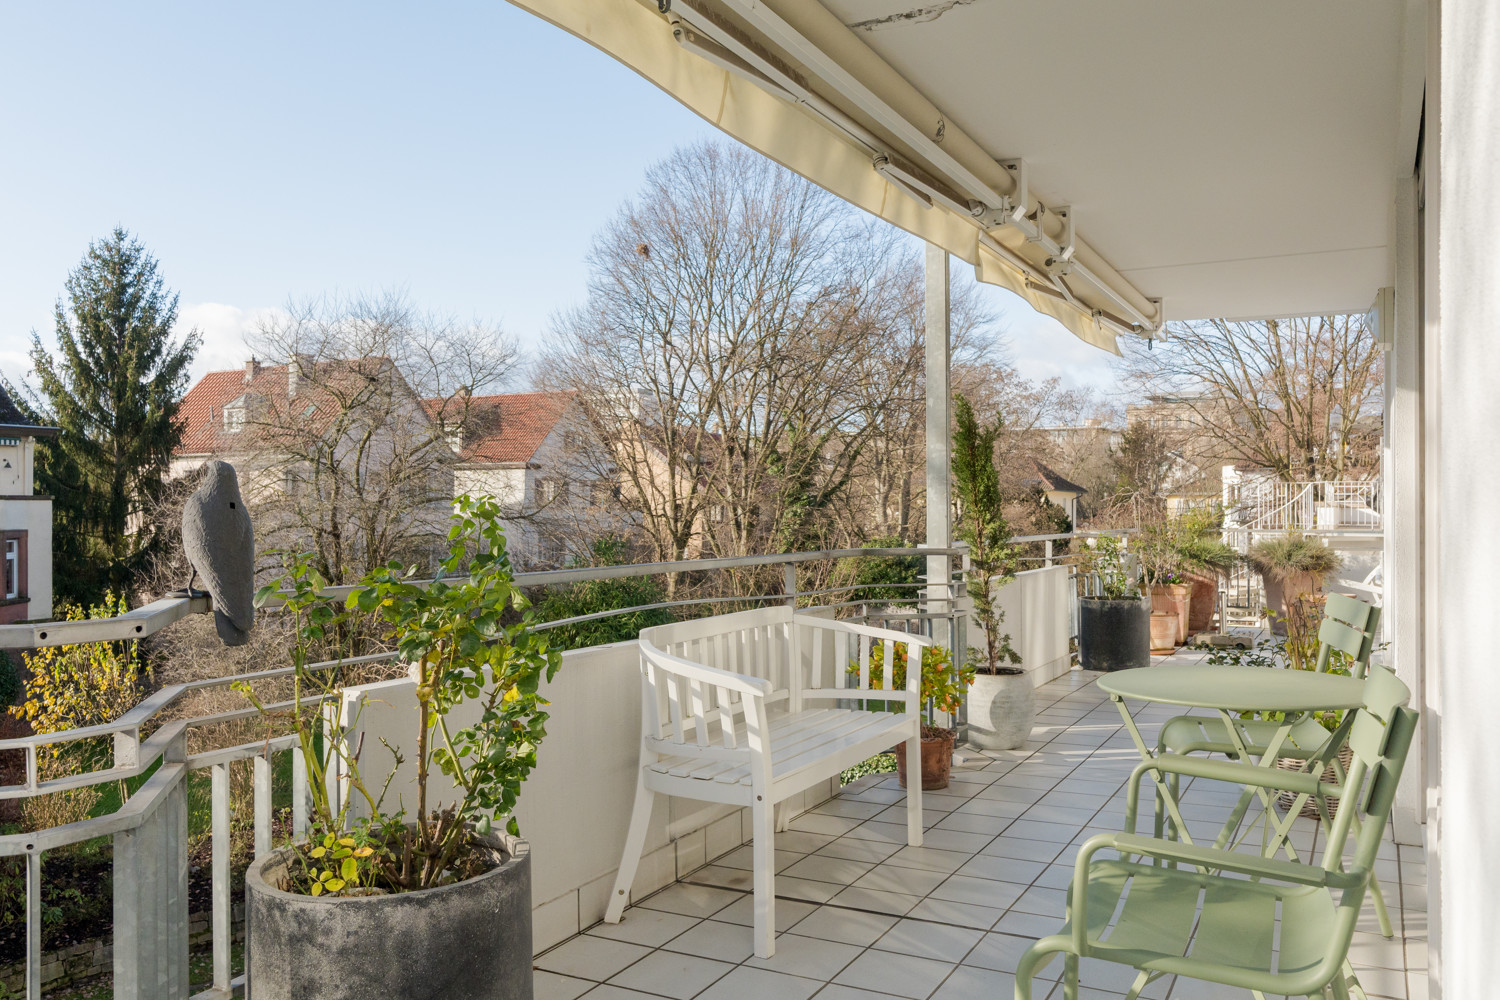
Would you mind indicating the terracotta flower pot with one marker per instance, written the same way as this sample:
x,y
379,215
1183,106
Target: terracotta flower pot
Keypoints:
x,y
1281,592
937,759
1204,602
1174,597
1163,632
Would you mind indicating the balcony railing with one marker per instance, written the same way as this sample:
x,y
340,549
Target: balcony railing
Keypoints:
x,y
150,831
1304,506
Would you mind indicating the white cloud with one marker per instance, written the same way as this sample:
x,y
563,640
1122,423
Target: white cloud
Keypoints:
x,y
224,329
1041,348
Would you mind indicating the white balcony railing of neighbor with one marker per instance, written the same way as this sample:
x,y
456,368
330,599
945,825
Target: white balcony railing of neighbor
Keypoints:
x,y
150,831
1304,506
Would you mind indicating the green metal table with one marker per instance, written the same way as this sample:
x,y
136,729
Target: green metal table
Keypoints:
x,y
1231,690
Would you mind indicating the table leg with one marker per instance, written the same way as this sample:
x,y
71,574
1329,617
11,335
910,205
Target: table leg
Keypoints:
x,y
1164,794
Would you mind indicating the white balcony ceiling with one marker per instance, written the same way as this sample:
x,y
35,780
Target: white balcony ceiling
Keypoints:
x,y
1231,158
1228,159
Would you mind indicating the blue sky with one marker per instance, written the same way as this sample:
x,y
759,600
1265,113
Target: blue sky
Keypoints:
x,y
465,152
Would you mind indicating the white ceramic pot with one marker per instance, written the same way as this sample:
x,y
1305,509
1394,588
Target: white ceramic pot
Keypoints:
x,y
1002,708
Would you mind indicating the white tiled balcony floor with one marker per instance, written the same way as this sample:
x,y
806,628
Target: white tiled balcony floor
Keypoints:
x,y
861,915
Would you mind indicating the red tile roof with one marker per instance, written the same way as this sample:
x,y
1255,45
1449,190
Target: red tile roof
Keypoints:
x,y
273,410
202,411
502,429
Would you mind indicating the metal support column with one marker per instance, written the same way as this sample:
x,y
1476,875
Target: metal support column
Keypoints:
x,y
940,596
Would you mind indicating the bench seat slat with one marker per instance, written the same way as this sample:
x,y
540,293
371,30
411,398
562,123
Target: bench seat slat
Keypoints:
x,y
797,741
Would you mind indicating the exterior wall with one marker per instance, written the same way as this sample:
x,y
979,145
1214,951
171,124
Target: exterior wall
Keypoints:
x,y
512,487
1038,615
33,515
17,472
575,807
1467,550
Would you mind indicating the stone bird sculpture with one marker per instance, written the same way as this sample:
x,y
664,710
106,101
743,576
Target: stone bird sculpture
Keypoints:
x,y
220,545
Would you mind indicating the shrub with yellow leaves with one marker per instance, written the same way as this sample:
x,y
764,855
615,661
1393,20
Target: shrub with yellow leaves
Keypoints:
x,y
71,687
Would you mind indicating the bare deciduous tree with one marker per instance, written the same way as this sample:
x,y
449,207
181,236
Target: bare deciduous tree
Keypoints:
x,y
350,426
1296,396
725,351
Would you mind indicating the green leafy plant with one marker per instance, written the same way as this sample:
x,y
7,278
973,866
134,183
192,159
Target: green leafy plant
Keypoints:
x,y
338,864
882,578
942,684
459,634
982,524
1116,569
10,680
1281,557
595,596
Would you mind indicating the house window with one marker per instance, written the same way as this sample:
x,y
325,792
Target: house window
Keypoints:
x,y
551,491
15,565
234,419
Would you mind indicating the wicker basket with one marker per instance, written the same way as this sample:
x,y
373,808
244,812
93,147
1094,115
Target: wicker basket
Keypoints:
x,y
1310,808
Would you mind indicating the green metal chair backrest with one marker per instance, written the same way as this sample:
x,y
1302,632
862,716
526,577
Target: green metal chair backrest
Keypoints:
x,y
1379,737
1348,627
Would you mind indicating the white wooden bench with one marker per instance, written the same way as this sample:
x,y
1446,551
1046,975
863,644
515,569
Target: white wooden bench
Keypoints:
x,y
752,708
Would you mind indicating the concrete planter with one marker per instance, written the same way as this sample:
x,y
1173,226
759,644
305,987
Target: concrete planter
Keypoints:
x,y
1001,710
466,941
1113,635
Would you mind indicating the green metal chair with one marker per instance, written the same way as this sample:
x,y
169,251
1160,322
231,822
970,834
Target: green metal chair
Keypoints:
x,y
1348,627
1261,924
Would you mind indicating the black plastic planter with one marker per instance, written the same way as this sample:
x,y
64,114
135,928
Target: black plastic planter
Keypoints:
x,y
1113,635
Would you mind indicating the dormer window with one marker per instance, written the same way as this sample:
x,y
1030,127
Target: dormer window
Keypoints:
x,y
455,438
234,418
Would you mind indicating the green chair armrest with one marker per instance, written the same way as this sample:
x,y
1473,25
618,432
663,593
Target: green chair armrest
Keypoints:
x,y
1219,860
1238,773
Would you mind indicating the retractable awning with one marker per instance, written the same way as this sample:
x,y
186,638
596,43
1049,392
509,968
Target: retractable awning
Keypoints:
x,y
812,97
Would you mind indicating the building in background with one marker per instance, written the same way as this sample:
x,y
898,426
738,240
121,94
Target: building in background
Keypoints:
x,y
537,454
25,520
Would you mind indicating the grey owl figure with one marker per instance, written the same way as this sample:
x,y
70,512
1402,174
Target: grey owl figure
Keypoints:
x,y
220,545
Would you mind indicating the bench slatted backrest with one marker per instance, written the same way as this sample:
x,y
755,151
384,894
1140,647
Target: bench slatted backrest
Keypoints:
x,y
754,643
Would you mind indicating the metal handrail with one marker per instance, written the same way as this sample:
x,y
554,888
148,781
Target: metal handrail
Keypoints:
x,y
165,748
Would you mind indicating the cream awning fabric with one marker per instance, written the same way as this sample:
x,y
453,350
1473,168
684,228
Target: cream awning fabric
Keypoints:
x,y
808,142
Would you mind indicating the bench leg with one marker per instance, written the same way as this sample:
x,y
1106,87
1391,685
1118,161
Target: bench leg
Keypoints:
x,y
630,858
763,820
914,792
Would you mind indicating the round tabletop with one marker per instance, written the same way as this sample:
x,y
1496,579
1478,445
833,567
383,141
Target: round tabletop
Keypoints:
x,y
1236,688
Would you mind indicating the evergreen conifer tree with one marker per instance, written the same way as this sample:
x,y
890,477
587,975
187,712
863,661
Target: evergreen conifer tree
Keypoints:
x,y
113,389
982,524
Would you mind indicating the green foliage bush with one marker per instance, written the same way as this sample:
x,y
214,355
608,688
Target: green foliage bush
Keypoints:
x,y
594,596
883,578
1294,552
10,680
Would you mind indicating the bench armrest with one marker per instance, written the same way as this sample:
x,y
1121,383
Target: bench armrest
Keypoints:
x,y
757,687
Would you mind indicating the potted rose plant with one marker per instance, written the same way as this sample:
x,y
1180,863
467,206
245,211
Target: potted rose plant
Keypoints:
x,y
437,901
